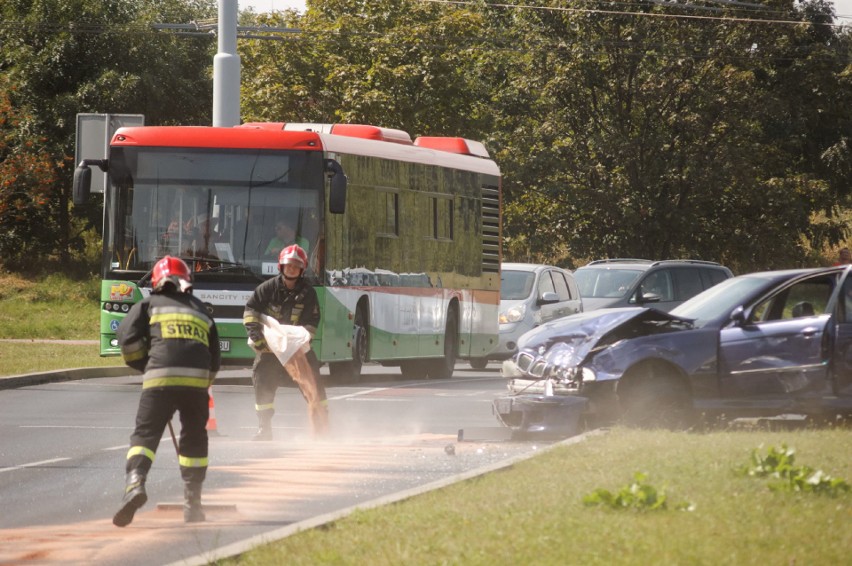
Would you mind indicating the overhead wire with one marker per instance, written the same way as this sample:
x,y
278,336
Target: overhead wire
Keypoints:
x,y
630,13
207,29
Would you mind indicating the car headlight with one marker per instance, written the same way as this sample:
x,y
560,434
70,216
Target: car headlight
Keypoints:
x,y
588,375
514,314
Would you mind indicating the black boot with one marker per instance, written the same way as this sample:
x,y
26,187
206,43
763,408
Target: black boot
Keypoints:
x,y
134,498
264,429
192,511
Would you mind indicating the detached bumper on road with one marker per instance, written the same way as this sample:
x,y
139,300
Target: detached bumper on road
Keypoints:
x,y
540,415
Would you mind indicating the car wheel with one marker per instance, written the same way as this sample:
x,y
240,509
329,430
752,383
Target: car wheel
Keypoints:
x,y
654,398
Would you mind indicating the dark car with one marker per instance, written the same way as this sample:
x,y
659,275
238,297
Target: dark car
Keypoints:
x,y
762,344
665,284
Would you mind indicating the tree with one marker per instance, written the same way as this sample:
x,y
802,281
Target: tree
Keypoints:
x,y
654,137
70,56
396,63
26,174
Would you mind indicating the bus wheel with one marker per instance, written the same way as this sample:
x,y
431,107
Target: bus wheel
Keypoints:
x,y
360,347
413,369
442,368
478,363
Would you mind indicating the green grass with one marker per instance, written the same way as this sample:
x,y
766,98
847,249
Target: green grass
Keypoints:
x,y
534,512
17,358
53,307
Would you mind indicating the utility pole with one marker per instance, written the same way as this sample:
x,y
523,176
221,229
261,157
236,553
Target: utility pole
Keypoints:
x,y
226,69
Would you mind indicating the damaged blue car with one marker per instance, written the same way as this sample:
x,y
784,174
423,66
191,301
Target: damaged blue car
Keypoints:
x,y
763,344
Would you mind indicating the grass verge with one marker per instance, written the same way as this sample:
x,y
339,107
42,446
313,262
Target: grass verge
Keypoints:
x,y
51,307
533,513
17,358
54,307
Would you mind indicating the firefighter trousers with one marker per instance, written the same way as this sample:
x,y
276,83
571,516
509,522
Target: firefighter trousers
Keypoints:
x,y
156,408
268,375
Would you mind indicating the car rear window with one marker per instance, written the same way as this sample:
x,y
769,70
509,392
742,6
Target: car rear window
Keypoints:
x,y
715,276
688,282
605,283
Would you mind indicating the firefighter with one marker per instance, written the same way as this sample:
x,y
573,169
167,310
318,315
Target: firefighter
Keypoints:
x,y
289,299
169,337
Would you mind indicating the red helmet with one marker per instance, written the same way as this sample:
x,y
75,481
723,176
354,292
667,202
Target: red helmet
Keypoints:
x,y
293,254
171,270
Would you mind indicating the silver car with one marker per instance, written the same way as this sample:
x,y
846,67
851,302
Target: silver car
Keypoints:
x,y
663,285
530,295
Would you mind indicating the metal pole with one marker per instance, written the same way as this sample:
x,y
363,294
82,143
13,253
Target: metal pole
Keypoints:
x,y
226,69
174,439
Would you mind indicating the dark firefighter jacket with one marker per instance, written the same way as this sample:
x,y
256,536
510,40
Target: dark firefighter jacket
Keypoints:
x,y
298,307
172,340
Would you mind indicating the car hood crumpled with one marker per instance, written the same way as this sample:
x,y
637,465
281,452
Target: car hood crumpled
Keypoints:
x,y
567,341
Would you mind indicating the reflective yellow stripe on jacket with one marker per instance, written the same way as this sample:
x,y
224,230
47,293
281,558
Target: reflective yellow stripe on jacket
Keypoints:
x,y
133,351
176,377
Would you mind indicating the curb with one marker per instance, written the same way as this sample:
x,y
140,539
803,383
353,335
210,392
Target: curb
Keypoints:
x,y
39,378
237,548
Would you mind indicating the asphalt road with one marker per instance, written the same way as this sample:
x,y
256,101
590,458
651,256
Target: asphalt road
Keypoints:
x,y
62,450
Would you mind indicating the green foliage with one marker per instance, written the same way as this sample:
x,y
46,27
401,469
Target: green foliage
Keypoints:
x,y
63,57
639,495
779,464
27,172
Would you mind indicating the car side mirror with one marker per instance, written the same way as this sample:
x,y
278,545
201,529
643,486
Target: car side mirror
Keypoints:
x,y
648,298
548,298
738,316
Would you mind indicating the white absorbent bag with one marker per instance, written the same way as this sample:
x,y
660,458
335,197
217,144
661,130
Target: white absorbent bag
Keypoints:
x,y
284,340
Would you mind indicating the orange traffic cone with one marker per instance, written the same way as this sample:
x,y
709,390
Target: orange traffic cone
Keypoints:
x,y
212,427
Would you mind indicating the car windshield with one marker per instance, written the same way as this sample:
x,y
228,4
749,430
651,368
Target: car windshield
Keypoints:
x,y
719,299
605,283
516,285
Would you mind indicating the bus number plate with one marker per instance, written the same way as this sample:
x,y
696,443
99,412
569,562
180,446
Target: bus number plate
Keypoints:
x,y
225,345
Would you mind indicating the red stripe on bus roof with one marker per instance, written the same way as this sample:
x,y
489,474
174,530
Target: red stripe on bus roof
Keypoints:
x,y
207,136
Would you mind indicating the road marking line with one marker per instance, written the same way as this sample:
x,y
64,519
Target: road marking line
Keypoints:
x,y
33,464
69,426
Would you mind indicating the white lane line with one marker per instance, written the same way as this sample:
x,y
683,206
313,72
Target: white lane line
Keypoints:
x,y
407,385
81,427
33,464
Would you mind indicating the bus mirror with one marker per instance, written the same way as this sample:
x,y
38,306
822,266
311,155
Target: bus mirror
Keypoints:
x,y
83,179
82,184
337,193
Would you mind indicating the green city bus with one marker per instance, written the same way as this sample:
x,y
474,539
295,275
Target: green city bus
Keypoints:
x,y
403,237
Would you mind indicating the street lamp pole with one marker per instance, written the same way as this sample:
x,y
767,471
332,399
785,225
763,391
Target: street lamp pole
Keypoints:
x,y
226,69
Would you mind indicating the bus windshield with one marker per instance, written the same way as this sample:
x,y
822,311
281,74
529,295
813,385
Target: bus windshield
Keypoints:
x,y
221,210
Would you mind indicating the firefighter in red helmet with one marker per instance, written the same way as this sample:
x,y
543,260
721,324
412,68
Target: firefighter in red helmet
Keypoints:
x,y
289,299
171,338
